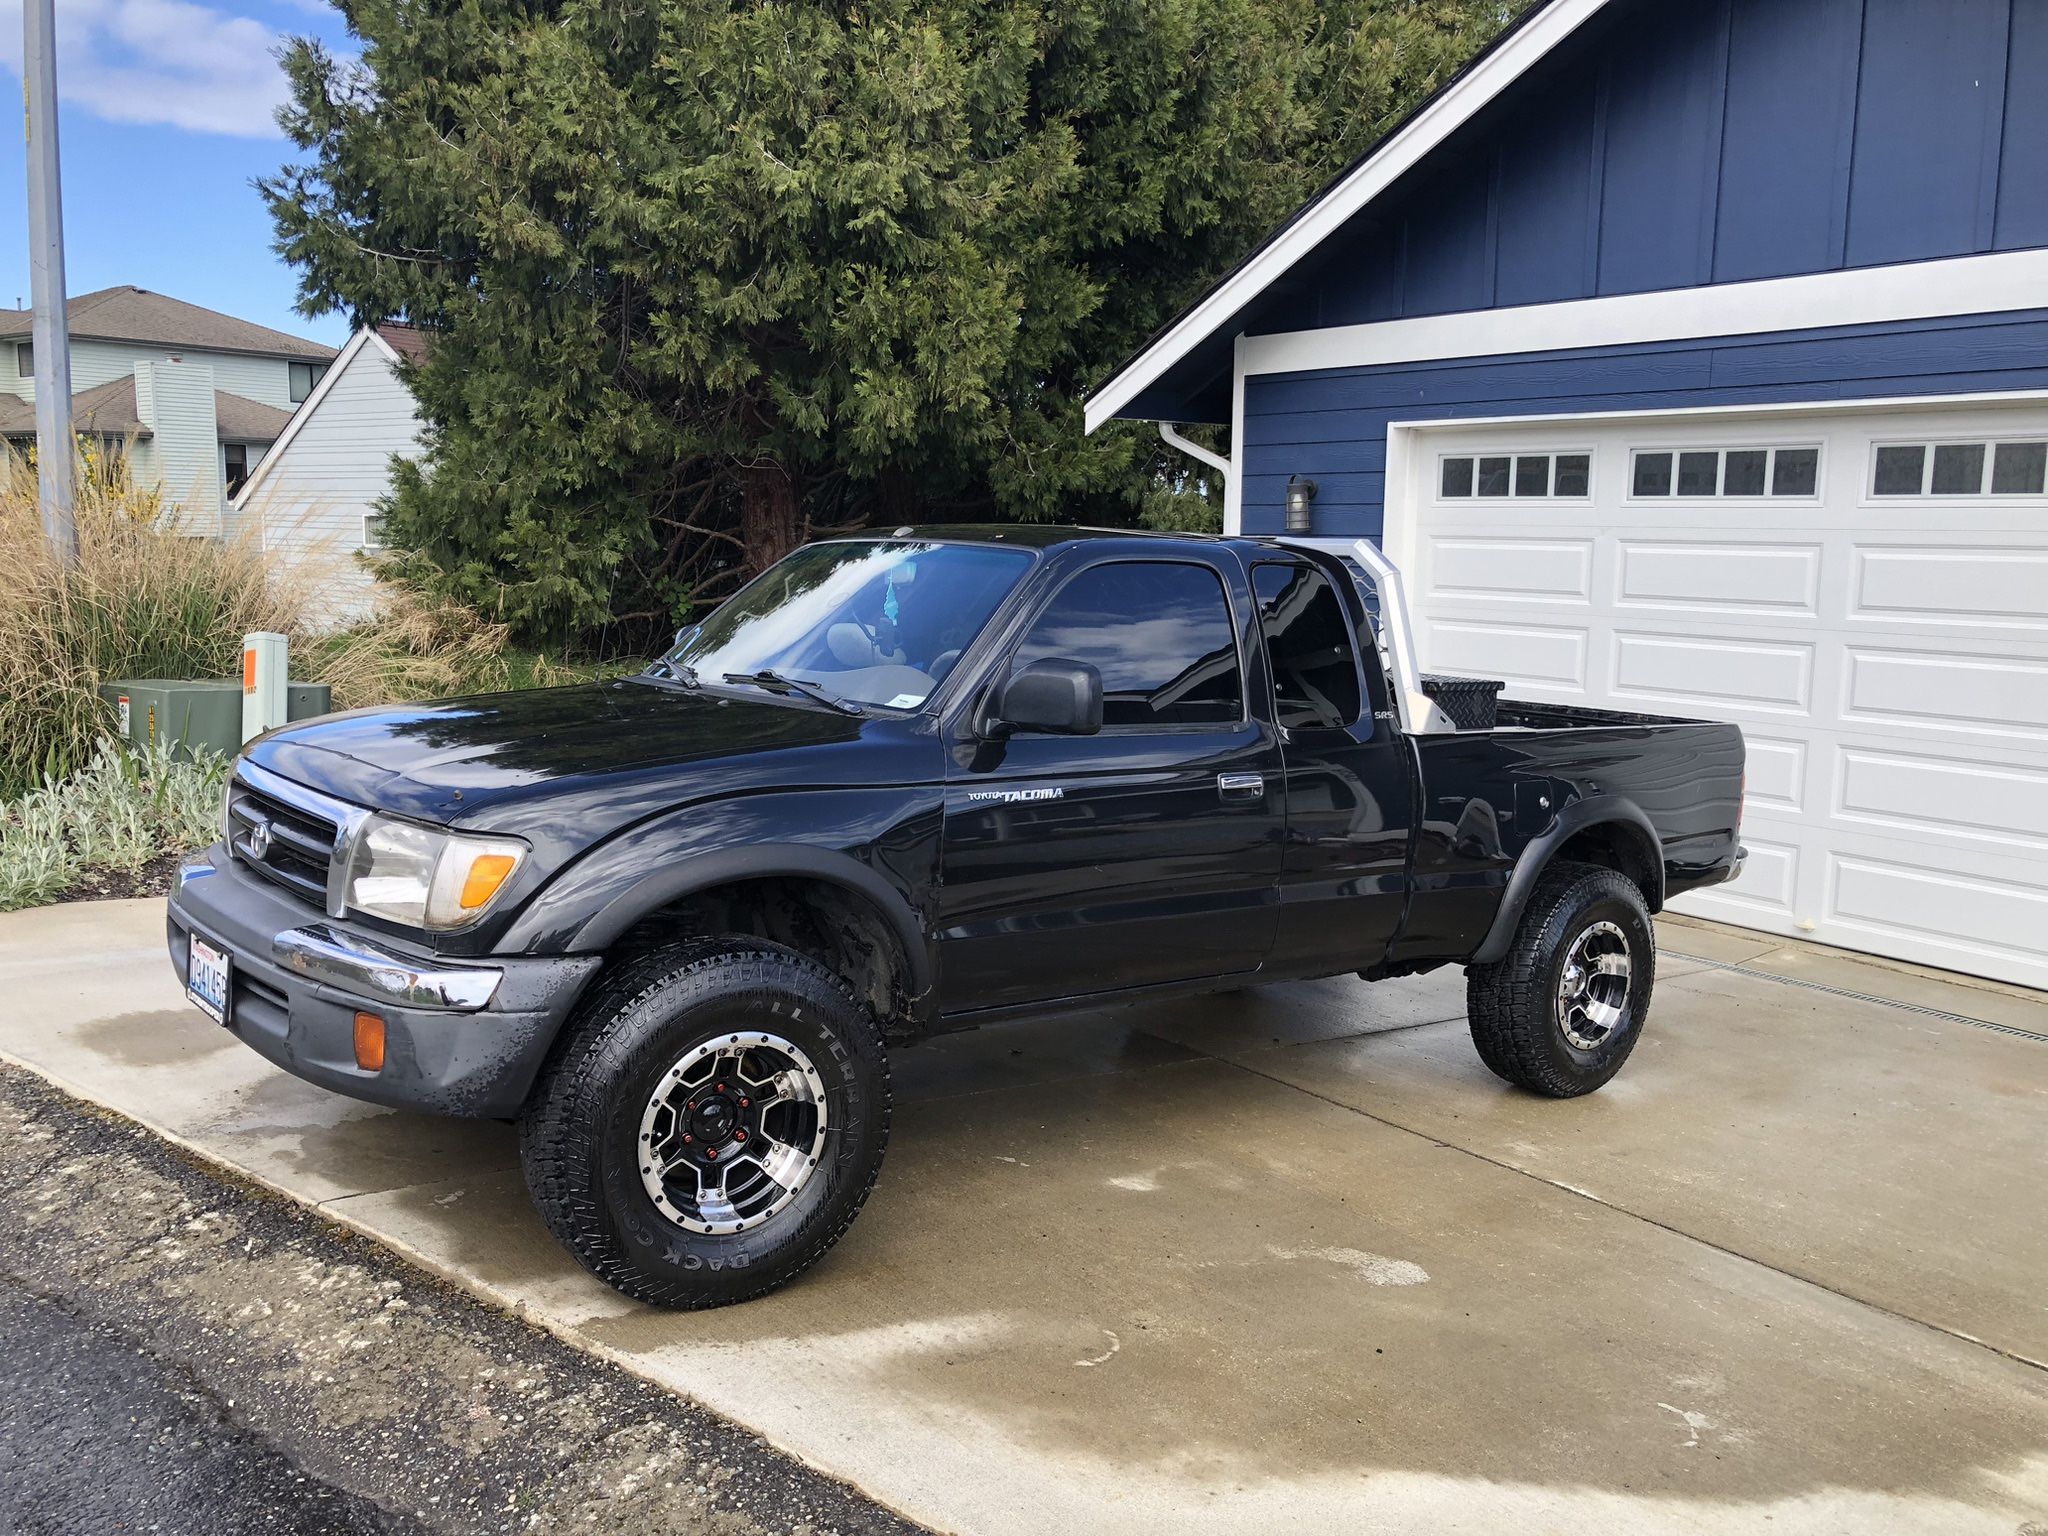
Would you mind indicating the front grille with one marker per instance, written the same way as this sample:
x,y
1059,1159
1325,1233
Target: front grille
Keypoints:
x,y
286,844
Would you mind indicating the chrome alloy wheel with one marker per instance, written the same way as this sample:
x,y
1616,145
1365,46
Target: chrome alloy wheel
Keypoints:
x,y
1592,990
733,1132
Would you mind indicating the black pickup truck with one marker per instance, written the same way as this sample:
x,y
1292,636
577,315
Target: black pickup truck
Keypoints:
x,y
673,923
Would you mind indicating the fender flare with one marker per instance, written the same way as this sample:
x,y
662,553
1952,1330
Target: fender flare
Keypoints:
x,y
1593,811
695,872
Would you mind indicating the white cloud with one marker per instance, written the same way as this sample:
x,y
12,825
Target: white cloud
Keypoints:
x,y
168,62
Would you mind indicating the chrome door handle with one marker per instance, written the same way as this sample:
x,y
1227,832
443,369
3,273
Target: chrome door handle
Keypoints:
x,y
1241,786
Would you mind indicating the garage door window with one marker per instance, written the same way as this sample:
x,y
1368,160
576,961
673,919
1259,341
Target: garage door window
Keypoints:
x,y
1960,469
1522,476
1697,473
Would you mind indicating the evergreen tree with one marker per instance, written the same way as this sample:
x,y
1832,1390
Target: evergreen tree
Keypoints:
x,y
707,277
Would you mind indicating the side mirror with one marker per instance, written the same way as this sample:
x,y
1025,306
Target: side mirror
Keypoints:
x,y
1053,697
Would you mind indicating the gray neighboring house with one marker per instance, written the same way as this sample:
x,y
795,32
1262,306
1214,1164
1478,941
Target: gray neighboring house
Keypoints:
x,y
195,398
316,493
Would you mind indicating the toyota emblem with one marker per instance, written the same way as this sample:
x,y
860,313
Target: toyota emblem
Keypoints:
x,y
259,840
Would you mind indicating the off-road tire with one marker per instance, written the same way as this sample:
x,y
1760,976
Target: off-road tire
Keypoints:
x,y
579,1133
1512,1003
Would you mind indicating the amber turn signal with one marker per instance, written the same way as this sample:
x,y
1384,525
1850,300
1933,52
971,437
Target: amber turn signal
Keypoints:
x,y
369,1042
486,873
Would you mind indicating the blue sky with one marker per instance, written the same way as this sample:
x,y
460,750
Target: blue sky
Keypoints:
x,y
165,120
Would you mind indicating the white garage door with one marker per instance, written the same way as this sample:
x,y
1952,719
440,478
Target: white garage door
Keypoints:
x,y
1865,593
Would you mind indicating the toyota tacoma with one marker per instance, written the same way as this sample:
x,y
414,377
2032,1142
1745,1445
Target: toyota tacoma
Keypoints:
x,y
673,924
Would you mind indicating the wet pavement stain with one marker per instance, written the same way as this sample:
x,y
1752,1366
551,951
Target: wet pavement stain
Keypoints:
x,y
172,1037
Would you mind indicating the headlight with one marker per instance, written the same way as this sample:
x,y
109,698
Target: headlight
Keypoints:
x,y
424,878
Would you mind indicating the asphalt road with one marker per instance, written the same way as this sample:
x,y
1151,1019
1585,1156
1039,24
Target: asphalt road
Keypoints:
x,y
180,1353
98,1433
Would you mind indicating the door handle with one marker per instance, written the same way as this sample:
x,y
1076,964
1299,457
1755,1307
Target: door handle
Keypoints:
x,y
1241,786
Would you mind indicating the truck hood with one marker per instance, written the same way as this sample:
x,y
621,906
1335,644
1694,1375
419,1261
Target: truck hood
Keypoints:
x,y
567,766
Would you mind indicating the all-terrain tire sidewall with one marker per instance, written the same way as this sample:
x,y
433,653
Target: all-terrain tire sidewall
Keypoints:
x,y
1512,1005
581,1138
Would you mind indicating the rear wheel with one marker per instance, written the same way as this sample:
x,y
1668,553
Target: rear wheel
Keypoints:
x,y
1561,1012
711,1123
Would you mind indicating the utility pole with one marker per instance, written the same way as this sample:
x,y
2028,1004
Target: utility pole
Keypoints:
x,y
56,448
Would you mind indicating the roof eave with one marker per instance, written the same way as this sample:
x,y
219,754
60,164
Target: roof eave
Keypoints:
x,y
1511,56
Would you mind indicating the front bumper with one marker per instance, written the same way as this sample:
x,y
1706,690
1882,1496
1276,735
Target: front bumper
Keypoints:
x,y
460,1037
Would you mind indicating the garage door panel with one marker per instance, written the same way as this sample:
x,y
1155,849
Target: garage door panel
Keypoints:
x,y
1975,587
1775,580
1918,793
1777,773
1886,658
1985,693
1921,910
1516,570
1768,884
1550,658
1691,670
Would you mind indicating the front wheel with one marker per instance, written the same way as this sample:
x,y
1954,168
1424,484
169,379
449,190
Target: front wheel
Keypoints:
x,y
1561,1012
710,1124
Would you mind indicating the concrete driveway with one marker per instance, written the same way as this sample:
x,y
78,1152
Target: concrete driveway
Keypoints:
x,y
1291,1258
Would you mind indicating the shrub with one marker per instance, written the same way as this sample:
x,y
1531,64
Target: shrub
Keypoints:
x,y
145,600
123,809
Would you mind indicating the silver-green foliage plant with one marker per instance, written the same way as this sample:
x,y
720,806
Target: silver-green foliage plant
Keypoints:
x,y
125,807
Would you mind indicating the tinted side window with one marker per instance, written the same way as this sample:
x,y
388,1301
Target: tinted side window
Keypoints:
x,y
1159,633
1315,674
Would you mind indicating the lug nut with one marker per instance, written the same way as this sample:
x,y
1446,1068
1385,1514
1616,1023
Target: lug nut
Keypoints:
x,y
744,1103
711,1154
689,1140
739,1135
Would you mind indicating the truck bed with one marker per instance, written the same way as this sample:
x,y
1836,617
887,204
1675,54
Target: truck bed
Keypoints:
x,y
1485,796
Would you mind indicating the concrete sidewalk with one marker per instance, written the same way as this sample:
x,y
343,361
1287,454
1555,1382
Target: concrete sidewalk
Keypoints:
x,y
1291,1257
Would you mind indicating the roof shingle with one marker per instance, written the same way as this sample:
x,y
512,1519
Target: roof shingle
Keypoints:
x,y
136,314
108,410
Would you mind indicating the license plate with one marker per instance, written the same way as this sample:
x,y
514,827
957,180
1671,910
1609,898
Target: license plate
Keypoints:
x,y
206,979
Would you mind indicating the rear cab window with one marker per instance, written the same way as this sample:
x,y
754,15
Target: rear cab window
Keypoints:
x,y
1309,648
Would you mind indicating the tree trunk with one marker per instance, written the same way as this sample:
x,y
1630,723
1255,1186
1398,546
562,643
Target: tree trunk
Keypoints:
x,y
769,521
895,500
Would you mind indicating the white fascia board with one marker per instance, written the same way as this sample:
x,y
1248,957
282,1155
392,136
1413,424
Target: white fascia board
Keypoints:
x,y
305,408
1918,290
1415,139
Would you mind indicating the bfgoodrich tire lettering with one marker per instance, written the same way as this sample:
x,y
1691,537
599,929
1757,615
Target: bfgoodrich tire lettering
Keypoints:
x,y
1562,1011
584,1135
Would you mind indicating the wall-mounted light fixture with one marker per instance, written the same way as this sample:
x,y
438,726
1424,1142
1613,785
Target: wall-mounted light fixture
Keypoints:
x,y
1301,492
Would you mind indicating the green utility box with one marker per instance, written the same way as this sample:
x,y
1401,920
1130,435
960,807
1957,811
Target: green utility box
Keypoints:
x,y
183,713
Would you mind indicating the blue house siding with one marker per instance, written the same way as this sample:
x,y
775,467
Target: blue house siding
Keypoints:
x,y
1675,143
1331,424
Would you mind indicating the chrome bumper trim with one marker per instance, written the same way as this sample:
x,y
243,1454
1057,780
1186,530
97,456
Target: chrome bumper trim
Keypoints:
x,y
318,953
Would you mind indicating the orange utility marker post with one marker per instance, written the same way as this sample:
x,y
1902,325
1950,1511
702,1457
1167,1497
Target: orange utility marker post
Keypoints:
x,y
265,660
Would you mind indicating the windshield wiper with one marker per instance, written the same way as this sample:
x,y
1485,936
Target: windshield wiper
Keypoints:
x,y
661,669
775,682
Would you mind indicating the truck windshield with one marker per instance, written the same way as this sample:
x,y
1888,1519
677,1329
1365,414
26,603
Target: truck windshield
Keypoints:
x,y
877,623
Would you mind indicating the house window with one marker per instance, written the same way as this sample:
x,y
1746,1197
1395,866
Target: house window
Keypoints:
x,y
304,376
236,457
1663,473
373,530
1522,476
25,360
1960,469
